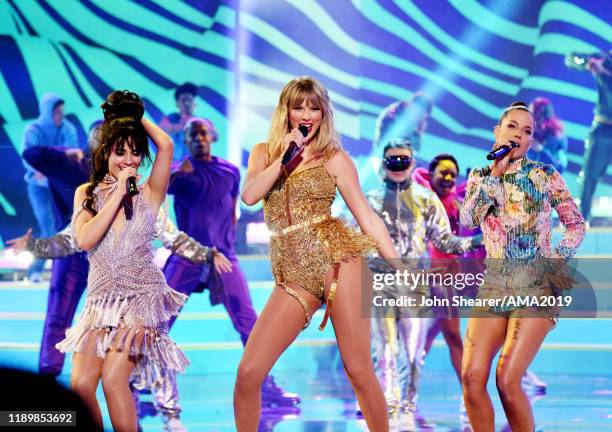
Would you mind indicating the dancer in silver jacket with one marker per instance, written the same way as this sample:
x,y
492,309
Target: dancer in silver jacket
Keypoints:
x,y
413,216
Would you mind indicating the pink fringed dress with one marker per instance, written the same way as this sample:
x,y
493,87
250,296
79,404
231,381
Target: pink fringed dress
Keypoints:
x,y
128,302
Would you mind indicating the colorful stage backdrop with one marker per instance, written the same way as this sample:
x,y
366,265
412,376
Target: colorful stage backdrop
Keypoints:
x,y
472,57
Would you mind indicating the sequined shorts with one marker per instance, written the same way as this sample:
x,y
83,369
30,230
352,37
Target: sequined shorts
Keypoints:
x,y
303,257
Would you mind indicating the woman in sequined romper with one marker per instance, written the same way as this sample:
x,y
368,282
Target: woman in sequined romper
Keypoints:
x,y
121,334
512,201
315,258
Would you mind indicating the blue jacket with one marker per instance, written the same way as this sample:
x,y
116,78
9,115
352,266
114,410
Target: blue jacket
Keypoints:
x,y
43,132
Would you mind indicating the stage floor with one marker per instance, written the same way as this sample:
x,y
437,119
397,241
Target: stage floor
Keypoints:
x,y
575,361
573,403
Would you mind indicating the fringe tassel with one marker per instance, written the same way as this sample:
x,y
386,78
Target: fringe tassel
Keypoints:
x,y
121,345
117,322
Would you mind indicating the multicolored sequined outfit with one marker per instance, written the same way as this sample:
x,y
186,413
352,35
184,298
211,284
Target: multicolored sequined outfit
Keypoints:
x,y
306,240
413,216
128,303
514,214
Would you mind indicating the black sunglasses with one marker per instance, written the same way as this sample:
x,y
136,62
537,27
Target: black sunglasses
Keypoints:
x,y
397,163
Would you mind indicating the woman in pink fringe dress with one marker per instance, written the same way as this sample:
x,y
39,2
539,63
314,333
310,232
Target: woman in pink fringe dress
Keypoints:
x,y
121,334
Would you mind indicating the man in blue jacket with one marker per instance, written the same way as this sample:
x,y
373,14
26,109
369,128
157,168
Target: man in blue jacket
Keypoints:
x,y
50,129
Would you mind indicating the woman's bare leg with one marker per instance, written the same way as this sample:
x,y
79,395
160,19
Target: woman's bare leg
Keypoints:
x,y
280,322
523,340
84,379
483,338
353,334
451,329
116,371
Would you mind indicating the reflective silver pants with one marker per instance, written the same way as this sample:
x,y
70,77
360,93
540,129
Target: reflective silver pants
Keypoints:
x,y
398,346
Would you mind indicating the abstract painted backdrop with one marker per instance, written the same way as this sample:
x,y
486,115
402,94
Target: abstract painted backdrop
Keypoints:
x,y
472,57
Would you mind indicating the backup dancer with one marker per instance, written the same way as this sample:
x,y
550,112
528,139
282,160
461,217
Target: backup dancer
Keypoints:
x,y
598,145
65,169
549,141
50,129
413,216
205,189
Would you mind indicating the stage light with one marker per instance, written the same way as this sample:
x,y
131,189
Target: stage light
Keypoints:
x,y
257,233
19,261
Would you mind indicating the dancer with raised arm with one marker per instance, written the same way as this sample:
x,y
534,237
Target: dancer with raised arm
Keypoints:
x,y
413,216
121,333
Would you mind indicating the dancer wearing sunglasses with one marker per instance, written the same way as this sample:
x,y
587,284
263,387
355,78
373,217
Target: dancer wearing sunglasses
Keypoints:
x,y
413,215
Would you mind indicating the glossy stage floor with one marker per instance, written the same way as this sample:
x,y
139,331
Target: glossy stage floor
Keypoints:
x,y
575,361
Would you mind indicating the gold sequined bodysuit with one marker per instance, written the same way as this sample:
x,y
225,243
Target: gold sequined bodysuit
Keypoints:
x,y
306,240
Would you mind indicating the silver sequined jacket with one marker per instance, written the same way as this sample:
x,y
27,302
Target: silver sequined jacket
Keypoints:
x,y
413,215
178,242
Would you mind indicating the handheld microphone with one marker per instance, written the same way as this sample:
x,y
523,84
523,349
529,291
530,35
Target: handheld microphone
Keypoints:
x,y
131,186
501,151
293,148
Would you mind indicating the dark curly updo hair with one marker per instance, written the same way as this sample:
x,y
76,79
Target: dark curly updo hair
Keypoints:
x,y
123,111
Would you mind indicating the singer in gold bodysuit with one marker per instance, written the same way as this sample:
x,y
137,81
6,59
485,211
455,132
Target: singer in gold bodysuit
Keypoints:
x,y
305,239
315,258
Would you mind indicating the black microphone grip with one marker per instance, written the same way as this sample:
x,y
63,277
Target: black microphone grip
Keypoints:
x,y
293,148
501,151
289,153
131,187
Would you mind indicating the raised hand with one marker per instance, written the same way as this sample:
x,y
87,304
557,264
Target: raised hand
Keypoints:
x,y
596,66
294,136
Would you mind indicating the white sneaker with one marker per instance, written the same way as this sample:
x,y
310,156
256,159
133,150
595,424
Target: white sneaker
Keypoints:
x,y
407,421
174,425
531,383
